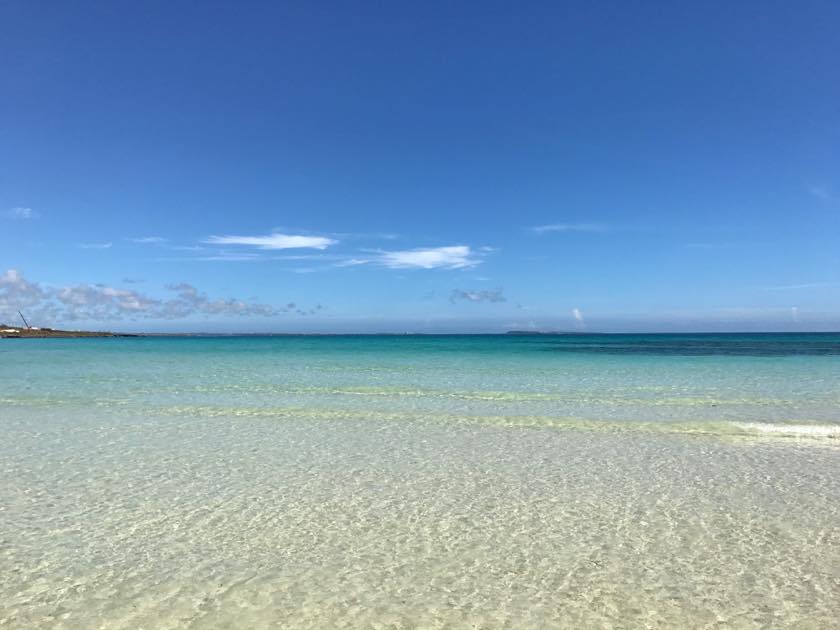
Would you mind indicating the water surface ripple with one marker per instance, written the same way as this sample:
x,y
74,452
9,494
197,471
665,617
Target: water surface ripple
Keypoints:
x,y
420,482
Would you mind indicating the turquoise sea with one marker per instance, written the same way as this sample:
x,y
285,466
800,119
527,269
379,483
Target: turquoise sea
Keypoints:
x,y
519,481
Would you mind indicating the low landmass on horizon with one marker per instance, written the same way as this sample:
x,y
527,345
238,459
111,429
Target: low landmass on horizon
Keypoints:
x,y
18,332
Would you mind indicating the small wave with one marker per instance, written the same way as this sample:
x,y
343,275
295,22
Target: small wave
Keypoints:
x,y
792,430
711,428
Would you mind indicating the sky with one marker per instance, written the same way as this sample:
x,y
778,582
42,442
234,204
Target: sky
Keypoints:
x,y
420,167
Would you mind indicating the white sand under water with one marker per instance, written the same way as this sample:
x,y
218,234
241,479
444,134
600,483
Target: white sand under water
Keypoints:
x,y
197,521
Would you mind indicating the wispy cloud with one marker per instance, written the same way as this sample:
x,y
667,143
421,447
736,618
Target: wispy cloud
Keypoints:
x,y
347,236
820,192
352,262
452,257
95,245
206,254
148,240
274,241
807,285
221,257
99,302
447,257
461,295
568,227
20,213
188,248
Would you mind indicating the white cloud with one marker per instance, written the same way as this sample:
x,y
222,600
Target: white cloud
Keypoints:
x,y
569,227
148,240
10,278
21,213
190,300
18,293
99,302
95,245
454,257
274,241
87,301
451,257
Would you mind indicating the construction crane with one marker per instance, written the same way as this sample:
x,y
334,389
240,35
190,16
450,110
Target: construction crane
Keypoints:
x,y
25,323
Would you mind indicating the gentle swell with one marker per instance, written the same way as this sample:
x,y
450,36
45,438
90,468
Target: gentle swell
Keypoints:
x,y
732,429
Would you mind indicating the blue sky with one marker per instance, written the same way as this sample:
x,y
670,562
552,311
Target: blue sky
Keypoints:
x,y
433,167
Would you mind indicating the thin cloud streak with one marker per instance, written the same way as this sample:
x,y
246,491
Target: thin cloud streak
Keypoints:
x,y
807,285
274,241
569,227
22,214
352,262
95,245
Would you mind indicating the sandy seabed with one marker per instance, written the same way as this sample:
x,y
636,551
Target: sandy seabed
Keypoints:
x,y
191,521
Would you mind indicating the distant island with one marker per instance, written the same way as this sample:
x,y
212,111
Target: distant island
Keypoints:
x,y
546,332
17,332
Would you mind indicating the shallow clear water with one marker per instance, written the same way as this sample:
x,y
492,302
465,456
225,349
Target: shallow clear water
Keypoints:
x,y
534,481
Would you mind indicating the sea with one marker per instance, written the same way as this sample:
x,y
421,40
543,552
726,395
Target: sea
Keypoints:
x,y
420,481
